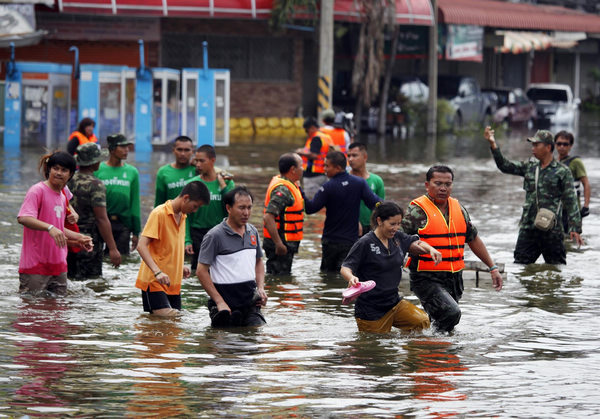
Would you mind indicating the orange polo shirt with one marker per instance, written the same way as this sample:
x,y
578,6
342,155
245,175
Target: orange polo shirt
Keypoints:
x,y
167,249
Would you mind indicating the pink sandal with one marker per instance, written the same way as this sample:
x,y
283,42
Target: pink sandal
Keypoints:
x,y
350,294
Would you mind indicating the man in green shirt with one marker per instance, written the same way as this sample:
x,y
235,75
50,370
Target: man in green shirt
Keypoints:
x,y
122,193
357,160
564,143
208,216
171,177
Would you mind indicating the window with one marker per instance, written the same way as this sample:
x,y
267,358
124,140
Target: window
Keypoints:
x,y
247,58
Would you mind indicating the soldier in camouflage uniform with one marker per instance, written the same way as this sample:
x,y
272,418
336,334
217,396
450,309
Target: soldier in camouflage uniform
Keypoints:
x,y
281,235
440,286
89,200
554,191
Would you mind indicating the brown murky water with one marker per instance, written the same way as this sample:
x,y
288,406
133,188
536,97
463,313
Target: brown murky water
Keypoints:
x,y
530,350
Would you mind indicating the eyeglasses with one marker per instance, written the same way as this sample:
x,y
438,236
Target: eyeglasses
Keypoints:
x,y
562,144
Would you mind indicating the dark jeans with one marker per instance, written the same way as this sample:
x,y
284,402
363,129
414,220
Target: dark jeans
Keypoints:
x,y
84,265
279,264
197,237
333,255
248,316
439,299
532,243
122,236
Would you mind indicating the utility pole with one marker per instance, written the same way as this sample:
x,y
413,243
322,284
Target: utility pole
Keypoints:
x,y
433,76
326,53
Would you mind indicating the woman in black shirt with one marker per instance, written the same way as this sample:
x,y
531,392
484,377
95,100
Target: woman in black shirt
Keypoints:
x,y
378,256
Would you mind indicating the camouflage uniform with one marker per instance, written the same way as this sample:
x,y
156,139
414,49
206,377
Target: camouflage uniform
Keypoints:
x,y
281,197
438,291
88,192
555,186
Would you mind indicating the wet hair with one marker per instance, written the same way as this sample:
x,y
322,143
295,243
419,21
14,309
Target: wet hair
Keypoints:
x,y
438,168
183,139
197,191
230,197
286,162
565,134
208,150
337,158
360,146
85,122
58,158
384,210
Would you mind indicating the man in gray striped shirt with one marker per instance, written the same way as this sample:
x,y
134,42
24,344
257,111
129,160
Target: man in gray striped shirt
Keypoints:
x,y
231,250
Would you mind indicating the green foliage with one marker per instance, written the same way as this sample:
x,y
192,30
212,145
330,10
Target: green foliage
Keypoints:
x,y
283,12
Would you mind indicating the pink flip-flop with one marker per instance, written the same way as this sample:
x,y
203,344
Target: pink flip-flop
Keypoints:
x,y
352,293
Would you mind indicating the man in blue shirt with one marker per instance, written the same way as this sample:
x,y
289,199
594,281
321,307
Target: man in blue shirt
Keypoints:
x,y
341,195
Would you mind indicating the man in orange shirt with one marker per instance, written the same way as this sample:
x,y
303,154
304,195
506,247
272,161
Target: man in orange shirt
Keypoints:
x,y
338,134
161,247
318,144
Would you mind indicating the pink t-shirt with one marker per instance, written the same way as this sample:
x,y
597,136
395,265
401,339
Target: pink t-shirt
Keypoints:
x,y
39,254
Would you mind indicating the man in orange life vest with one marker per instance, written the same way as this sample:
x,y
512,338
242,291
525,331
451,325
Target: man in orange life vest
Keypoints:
x,y
339,135
445,224
84,134
283,215
313,154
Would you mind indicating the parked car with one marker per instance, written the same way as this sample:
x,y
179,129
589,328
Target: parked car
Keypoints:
x,y
512,106
554,103
464,94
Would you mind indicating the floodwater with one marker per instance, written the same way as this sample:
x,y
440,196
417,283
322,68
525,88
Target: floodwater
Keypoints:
x,y
530,350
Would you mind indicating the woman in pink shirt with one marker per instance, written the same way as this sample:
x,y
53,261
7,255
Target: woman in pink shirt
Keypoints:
x,y
43,264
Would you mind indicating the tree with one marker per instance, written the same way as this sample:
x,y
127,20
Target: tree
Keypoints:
x,y
369,60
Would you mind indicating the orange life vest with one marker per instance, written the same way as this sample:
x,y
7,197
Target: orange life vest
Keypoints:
x,y
319,162
82,138
447,237
293,216
338,137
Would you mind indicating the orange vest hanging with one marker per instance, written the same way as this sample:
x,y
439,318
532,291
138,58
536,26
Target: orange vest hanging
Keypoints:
x,y
292,217
447,237
319,162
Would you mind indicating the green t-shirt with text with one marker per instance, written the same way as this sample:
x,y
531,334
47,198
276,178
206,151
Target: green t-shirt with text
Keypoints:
x,y
170,182
209,215
122,193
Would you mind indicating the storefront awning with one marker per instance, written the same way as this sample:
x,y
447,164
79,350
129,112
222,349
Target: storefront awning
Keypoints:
x,y
499,14
517,42
408,12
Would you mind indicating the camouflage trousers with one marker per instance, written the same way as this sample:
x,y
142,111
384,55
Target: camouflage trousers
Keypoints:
x,y
84,265
333,255
532,243
439,296
279,264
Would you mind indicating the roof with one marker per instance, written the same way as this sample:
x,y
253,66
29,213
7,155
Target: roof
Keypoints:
x,y
408,12
499,14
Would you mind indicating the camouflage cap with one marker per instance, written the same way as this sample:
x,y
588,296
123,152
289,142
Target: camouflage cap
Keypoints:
x,y
117,139
542,136
89,154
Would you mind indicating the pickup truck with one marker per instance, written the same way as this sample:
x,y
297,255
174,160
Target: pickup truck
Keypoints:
x,y
469,103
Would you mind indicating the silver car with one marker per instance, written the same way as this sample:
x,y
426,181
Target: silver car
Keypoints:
x,y
554,103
